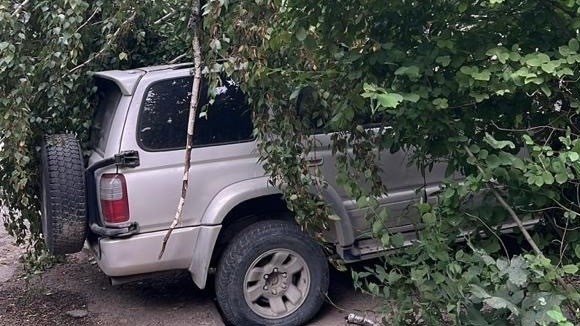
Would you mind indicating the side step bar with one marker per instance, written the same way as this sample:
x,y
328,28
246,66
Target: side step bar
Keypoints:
x,y
371,248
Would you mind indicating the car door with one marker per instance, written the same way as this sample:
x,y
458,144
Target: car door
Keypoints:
x,y
405,185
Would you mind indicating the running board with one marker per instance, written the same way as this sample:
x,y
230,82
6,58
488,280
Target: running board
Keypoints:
x,y
371,248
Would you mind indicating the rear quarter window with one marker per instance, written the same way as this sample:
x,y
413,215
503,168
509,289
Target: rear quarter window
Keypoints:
x,y
164,113
108,97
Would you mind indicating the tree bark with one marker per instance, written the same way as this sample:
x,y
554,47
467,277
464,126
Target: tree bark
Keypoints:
x,y
195,27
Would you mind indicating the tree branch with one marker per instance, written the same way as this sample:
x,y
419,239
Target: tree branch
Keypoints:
x,y
179,57
515,218
162,19
195,26
88,20
107,45
19,8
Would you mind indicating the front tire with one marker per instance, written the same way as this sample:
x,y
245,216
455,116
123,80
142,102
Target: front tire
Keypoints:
x,y
271,273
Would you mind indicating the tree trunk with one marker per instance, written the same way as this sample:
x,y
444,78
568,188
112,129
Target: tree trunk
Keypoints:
x,y
195,26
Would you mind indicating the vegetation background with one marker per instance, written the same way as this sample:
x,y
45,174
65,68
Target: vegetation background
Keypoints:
x,y
471,83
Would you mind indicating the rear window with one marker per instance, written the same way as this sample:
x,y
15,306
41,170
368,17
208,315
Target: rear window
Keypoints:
x,y
165,111
108,97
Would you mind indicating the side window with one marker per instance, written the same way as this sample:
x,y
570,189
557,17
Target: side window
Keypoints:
x,y
109,96
165,110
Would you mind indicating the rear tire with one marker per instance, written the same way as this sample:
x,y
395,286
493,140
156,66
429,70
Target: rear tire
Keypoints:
x,y
64,213
271,273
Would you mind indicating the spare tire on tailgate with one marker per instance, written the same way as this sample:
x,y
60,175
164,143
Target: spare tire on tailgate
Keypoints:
x,y
64,206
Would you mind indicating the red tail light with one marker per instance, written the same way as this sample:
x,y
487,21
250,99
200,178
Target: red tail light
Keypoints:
x,y
114,202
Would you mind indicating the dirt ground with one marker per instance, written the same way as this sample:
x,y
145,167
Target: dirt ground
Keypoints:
x,y
76,292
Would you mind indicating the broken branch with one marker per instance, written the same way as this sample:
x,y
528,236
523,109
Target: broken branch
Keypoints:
x,y
194,24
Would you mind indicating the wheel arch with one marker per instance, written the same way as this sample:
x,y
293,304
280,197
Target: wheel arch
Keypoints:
x,y
242,204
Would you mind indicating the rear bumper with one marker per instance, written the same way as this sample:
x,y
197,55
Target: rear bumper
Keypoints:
x,y
138,254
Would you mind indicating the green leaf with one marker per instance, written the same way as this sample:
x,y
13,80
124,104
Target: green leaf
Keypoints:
x,y
467,70
484,75
570,269
398,240
501,303
411,71
411,97
441,103
429,218
519,164
444,60
527,139
574,45
479,97
546,90
548,178
561,178
497,144
385,239
479,292
393,277
536,59
378,226
501,54
300,34
565,51
534,80
389,100
474,148
517,271
475,317
493,161
550,67
556,315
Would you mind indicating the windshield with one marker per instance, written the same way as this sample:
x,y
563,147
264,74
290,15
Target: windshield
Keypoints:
x,y
108,99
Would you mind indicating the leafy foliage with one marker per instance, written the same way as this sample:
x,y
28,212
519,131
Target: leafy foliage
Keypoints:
x,y
487,87
47,51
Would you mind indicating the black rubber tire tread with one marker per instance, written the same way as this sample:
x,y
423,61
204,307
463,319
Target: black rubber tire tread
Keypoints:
x,y
64,207
246,246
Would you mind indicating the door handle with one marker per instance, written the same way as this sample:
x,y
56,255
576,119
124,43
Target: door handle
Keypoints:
x,y
312,162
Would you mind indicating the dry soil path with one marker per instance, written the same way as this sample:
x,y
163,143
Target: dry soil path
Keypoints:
x,y
77,287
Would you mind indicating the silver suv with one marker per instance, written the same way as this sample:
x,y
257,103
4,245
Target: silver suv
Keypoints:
x,y
268,272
